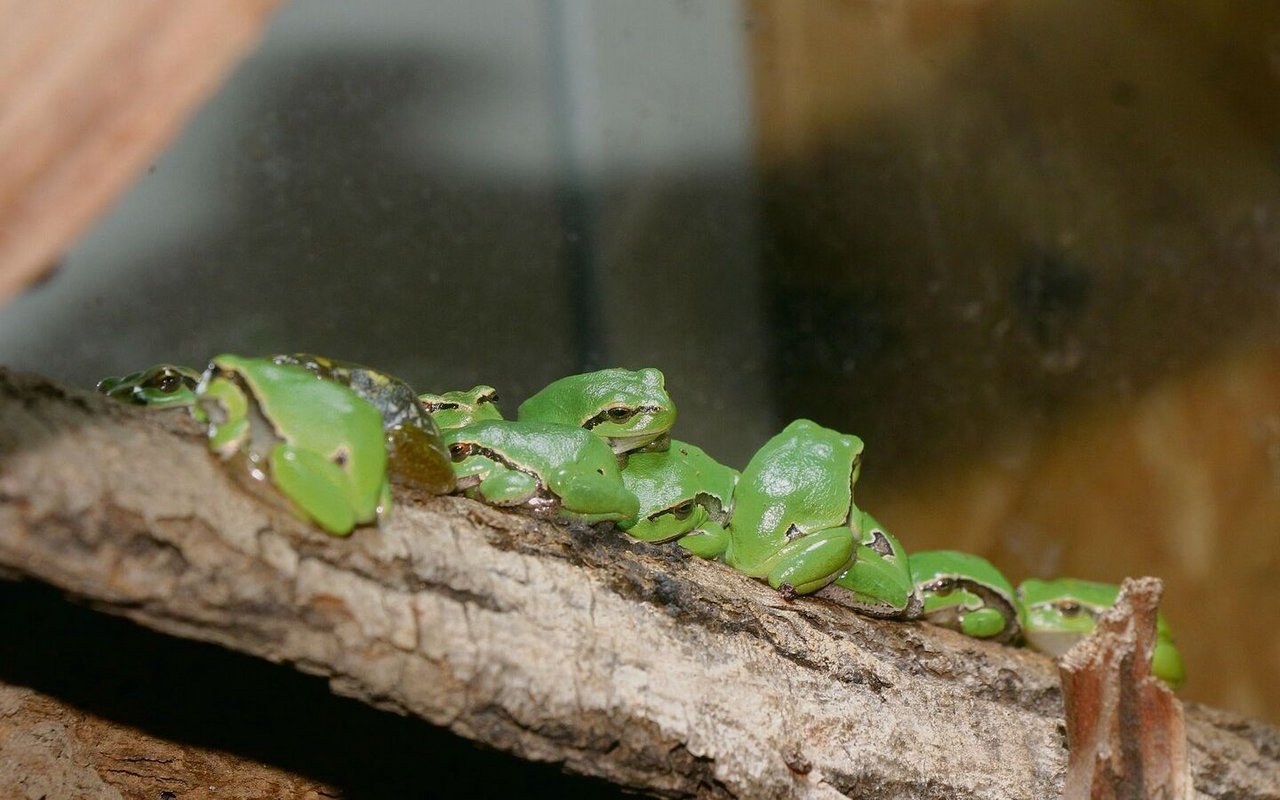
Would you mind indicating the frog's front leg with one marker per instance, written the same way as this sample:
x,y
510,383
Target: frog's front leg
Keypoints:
x,y
982,623
709,540
809,562
591,495
509,487
316,486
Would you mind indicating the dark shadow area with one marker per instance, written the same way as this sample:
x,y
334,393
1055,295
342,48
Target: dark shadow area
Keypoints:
x,y
203,695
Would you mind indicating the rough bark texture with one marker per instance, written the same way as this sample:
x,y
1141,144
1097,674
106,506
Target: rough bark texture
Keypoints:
x,y
1125,729
572,645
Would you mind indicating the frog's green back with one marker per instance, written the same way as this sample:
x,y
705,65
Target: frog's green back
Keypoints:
x,y
803,475
320,416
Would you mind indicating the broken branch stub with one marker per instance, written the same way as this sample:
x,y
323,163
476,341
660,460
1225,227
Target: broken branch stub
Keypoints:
x,y
1125,729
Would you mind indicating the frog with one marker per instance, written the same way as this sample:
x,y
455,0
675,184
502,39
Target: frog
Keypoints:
x,y
416,454
1061,612
879,582
160,386
966,593
792,509
317,442
628,409
685,495
458,409
553,469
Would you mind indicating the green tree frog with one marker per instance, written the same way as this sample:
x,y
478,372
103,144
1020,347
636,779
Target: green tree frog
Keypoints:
x,y
685,495
966,593
545,466
879,582
1061,612
458,409
161,386
630,410
791,520
316,441
416,455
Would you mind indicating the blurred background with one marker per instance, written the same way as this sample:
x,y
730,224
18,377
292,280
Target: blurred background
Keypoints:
x,y
1030,252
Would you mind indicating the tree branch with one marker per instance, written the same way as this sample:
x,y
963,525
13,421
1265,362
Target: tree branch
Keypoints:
x,y
571,645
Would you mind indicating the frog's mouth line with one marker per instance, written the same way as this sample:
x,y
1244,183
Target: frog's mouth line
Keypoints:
x,y
544,499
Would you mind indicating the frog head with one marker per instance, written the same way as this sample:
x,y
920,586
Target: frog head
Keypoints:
x,y
682,491
1061,612
629,409
967,593
458,409
161,386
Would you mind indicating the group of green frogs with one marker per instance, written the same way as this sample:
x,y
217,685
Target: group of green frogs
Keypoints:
x,y
329,438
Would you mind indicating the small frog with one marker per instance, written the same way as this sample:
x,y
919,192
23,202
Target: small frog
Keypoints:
x,y
458,409
316,441
1061,612
879,582
966,593
545,466
630,410
416,455
684,495
161,386
792,509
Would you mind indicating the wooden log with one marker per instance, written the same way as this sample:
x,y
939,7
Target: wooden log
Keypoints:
x,y
92,90
630,662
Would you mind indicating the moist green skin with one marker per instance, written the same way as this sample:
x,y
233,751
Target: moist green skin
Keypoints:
x,y
458,409
416,455
160,386
966,593
791,522
879,583
1061,612
630,410
685,495
316,441
541,465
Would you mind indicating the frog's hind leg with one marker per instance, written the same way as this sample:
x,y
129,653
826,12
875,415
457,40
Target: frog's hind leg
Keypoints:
x,y
316,486
811,561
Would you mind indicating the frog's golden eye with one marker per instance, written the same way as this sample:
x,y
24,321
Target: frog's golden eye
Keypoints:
x,y
459,451
943,587
683,510
1069,608
620,413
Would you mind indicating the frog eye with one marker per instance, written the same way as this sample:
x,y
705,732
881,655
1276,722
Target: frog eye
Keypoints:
x,y
459,451
620,413
943,587
1069,608
683,510
488,397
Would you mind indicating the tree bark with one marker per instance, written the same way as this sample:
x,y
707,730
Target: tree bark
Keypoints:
x,y
574,645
